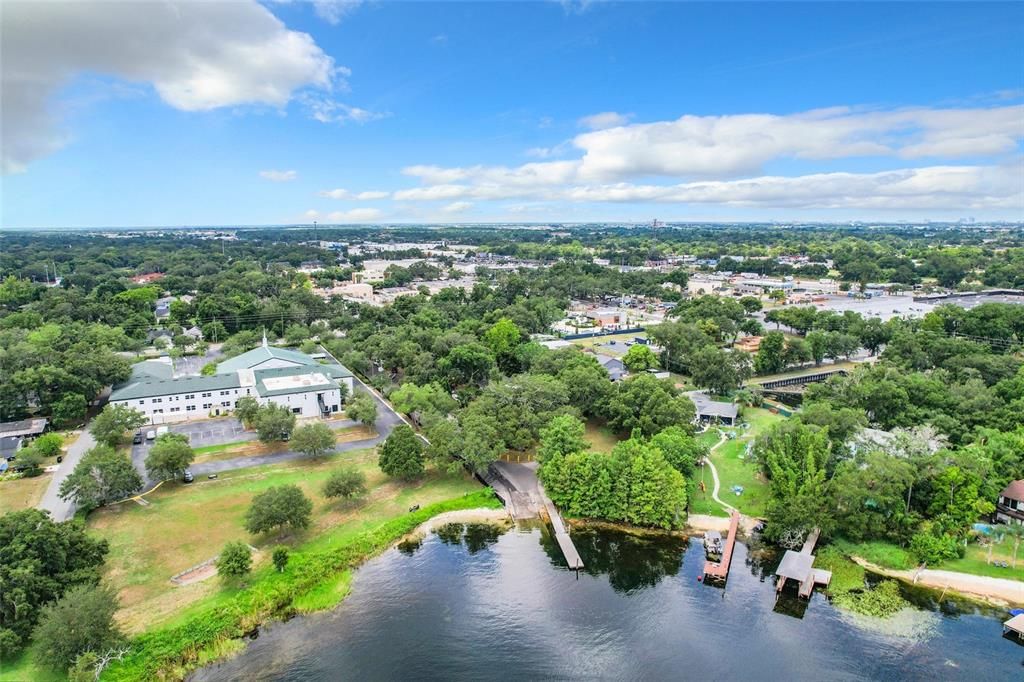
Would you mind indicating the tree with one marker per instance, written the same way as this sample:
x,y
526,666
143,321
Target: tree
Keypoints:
x,y
169,457
347,483
639,358
235,559
680,449
246,409
401,455
30,460
82,620
649,404
115,421
768,359
102,476
563,435
362,408
48,444
1016,533
502,339
280,558
751,304
466,364
70,409
794,456
315,440
209,369
277,507
428,402
40,561
719,371
274,422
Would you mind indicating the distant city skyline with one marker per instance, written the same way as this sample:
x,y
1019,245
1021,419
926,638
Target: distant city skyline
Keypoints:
x,y
247,113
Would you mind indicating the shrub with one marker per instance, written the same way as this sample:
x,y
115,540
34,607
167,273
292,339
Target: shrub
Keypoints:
x,y
235,559
401,455
280,558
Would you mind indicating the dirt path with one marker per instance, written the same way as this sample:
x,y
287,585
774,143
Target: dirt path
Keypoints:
x,y
998,590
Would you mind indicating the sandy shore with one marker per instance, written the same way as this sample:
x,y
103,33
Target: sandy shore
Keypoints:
x,y
460,516
999,591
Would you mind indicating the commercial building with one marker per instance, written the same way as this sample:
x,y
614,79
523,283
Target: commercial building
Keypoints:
x,y
268,374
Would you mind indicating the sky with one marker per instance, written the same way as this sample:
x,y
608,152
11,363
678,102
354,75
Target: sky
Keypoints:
x,y
151,113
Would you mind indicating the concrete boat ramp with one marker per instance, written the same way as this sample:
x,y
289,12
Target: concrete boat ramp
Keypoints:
x,y
518,486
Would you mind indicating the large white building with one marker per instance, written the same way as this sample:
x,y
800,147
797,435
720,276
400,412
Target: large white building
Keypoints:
x,y
271,375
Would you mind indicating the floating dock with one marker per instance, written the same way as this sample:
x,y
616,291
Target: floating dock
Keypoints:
x,y
719,570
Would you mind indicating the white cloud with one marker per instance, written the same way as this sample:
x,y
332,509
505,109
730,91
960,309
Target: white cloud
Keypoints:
x,y
279,176
328,110
355,215
196,55
937,187
458,207
369,195
606,119
333,11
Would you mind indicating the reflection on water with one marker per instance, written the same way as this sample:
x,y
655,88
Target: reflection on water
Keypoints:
x,y
482,602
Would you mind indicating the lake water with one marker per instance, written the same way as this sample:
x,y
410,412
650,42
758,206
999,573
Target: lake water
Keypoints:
x,y
476,603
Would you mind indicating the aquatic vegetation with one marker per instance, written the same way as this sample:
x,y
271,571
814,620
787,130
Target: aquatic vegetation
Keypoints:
x,y
881,601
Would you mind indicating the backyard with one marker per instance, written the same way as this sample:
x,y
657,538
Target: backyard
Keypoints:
x,y
185,525
734,469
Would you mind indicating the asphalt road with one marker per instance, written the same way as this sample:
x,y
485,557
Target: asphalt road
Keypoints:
x,y
51,502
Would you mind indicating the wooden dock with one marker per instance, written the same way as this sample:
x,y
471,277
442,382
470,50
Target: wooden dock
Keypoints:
x,y
799,566
720,570
1015,625
572,555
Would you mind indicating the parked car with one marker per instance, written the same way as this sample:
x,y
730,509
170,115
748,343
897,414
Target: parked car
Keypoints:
x,y
150,435
137,438
188,477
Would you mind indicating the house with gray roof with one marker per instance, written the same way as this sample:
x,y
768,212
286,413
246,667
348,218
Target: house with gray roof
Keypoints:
x,y
270,375
712,411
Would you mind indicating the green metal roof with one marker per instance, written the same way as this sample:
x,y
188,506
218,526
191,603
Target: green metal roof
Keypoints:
x,y
136,389
250,359
148,370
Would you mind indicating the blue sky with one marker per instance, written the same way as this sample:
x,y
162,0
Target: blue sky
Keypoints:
x,y
286,112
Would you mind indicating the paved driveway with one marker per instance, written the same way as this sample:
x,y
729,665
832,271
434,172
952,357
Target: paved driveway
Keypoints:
x,y
58,508
200,434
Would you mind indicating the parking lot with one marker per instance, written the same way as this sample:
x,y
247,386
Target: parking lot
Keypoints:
x,y
200,434
191,365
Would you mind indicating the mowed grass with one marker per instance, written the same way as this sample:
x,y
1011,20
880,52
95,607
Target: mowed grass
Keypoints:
x,y
975,561
254,448
884,554
185,525
734,469
22,493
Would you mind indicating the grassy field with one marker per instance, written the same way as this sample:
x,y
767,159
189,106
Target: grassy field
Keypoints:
x,y
883,554
185,525
733,469
22,493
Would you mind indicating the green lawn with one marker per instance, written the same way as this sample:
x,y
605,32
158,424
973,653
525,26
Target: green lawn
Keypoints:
x,y
975,561
734,469
221,447
184,525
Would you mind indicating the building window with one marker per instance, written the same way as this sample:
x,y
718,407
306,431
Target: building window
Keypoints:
x,y
190,408
297,410
175,409
142,402
207,406
191,396
334,408
226,403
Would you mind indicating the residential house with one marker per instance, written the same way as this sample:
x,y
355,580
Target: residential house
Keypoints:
x,y
1010,507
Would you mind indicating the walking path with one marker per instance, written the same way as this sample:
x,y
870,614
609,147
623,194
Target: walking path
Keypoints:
x,y
714,476
51,502
985,587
